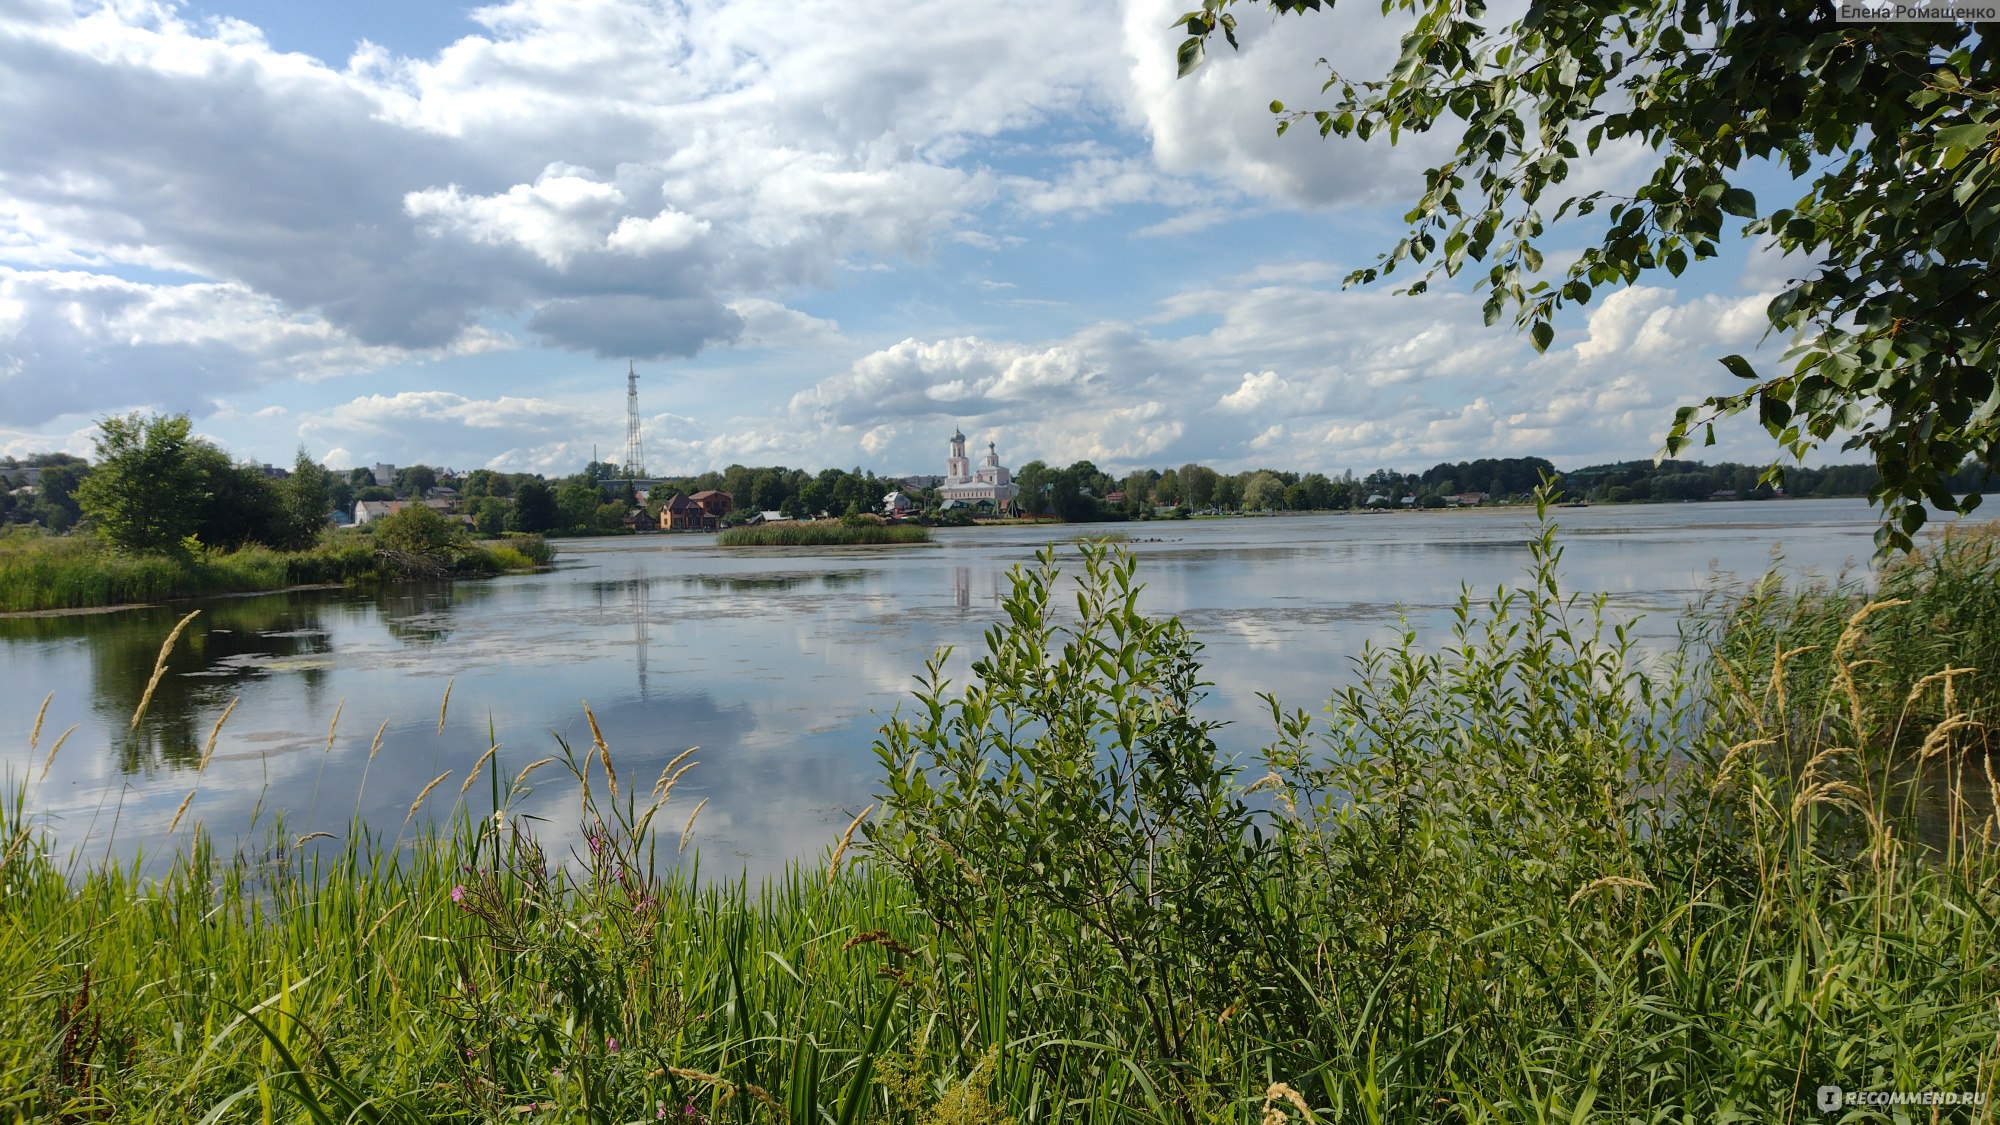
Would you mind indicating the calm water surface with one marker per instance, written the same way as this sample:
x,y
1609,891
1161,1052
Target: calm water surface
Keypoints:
x,y
779,666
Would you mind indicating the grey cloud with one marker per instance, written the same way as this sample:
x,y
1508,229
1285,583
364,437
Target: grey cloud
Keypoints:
x,y
289,183
74,342
775,131
636,327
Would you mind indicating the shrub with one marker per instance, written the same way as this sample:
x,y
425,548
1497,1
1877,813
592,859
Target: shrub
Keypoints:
x,y
1524,874
1070,790
418,541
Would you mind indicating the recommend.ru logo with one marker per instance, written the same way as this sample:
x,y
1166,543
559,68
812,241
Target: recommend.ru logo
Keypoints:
x,y
1833,1098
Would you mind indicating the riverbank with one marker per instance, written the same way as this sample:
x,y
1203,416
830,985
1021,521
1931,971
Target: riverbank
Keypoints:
x,y
1614,889
77,572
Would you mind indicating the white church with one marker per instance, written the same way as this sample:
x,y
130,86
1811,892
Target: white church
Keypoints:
x,y
992,485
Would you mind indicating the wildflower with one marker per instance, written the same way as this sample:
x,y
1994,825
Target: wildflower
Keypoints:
x,y
458,893
611,1046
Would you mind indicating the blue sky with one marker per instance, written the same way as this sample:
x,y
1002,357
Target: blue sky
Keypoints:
x,y
424,232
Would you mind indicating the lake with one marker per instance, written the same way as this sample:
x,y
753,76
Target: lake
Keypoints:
x,y
778,665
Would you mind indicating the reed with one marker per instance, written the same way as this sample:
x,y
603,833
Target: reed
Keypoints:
x,y
43,572
1523,873
823,533
1932,611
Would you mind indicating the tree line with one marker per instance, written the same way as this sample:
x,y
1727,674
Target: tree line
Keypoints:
x,y
153,485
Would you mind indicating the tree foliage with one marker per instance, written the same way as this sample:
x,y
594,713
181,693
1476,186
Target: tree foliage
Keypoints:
x,y
56,505
419,540
414,481
1893,130
156,488
231,503
142,494
305,498
534,507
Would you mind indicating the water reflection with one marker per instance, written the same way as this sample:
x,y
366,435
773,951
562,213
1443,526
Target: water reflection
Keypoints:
x,y
231,645
781,666
774,583
420,614
641,610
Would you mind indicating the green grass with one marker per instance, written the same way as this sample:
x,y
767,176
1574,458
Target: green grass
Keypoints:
x,y
1517,874
1936,609
39,572
822,533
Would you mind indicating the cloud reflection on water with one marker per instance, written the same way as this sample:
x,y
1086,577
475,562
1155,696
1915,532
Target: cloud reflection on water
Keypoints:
x,y
780,666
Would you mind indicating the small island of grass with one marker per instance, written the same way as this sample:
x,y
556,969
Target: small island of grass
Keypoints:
x,y
823,533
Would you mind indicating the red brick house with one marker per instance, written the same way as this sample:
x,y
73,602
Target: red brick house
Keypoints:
x,y
701,512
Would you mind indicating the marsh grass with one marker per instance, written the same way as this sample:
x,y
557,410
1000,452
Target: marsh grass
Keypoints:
x,y
822,533
41,572
1935,609
1521,875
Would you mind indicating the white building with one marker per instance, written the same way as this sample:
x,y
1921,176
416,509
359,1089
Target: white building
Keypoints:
x,y
991,485
368,511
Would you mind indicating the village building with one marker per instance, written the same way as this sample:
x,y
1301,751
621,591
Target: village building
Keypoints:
x,y
701,512
991,487
368,511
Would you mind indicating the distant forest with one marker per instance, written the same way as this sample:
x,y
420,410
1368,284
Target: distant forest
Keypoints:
x,y
41,490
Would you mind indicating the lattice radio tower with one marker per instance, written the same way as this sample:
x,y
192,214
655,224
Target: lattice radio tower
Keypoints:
x,y
635,450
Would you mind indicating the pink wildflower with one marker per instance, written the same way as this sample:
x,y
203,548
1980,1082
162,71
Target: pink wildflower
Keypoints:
x,y
458,893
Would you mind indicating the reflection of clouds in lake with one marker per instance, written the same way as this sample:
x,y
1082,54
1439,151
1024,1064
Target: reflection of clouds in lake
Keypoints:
x,y
780,665
764,805
1276,637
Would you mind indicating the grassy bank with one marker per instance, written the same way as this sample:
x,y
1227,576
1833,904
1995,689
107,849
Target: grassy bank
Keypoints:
x,y
822,533
1522,875
76,572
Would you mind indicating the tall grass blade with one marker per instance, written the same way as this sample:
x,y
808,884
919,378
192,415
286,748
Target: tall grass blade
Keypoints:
x,y
160,668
